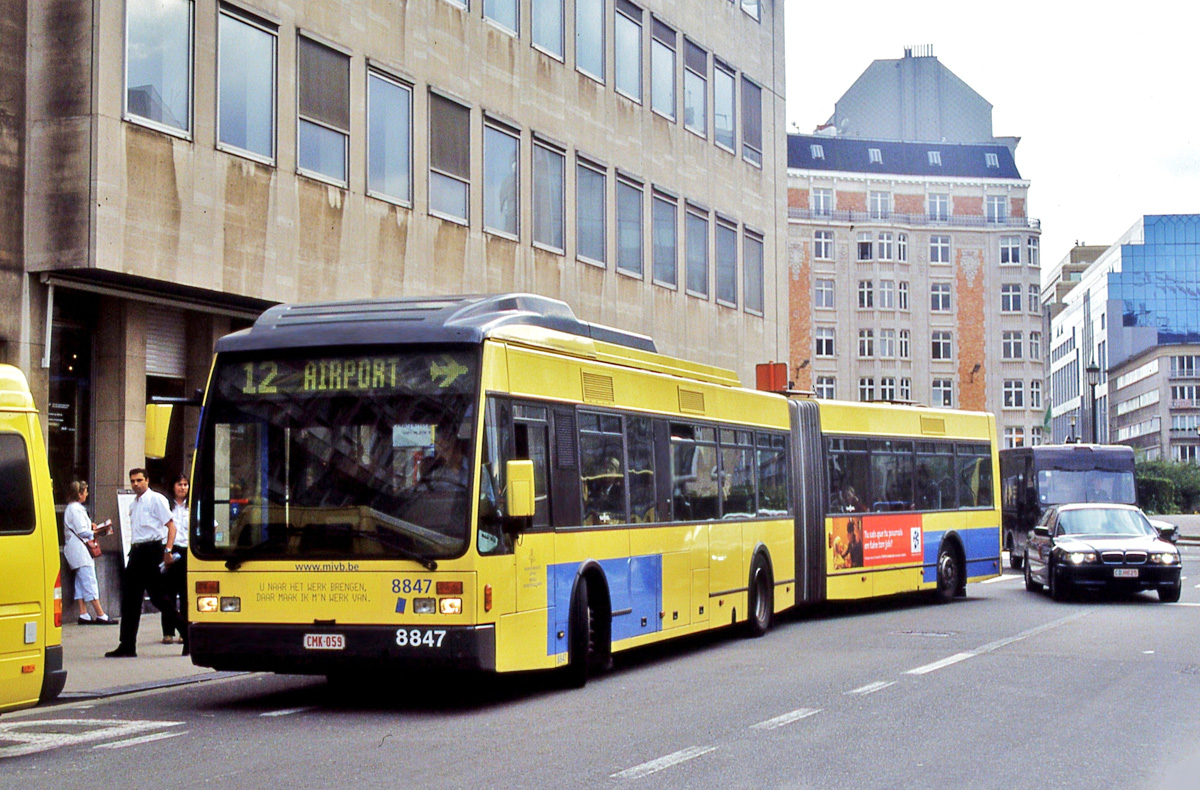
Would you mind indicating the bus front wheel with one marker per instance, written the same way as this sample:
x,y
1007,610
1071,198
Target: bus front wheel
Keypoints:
x,y
762,599
588,651
949,574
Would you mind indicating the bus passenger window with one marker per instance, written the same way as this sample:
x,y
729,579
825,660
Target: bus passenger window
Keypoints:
x,y
601,468
642,493
772,475
695,471
738,476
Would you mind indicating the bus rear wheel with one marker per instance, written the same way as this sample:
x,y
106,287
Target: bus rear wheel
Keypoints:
x,y
762,599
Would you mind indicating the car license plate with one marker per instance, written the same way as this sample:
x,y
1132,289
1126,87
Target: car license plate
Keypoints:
x,y
324,642
1125,573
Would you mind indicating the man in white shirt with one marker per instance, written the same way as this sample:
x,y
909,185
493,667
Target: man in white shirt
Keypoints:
x,y
153,542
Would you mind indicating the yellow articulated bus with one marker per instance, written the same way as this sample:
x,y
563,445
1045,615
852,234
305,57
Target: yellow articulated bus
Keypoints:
x,y
490,483
31,655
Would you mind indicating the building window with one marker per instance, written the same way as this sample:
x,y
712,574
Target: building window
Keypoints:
x,y
902,247
547,26
941,346
724,106
589,38
727,279
824,336
823,294
905,389
1035,345
826,387
751,8
866,389
866,294
591,209
1012,344
1014,394
696,228
662,69
389,138
902,295
246,52
323,88
887,388
1033,251
1010,298
501,192
939,249
997,208
822,201
992,160
1035,300
816,151
549,223
1010,249
158,62
627,50
504,13
865,244
1035,394
939,207
874,156
629,227
939,297
866,343
887,343
1014,436
449,158
751,122
880,205
823,245
943,393
1036,437
884,246
904,347
664,230
695,88
935,158
887,295
752,264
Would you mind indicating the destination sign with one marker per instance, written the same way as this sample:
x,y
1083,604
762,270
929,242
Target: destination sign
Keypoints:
x,y
415,373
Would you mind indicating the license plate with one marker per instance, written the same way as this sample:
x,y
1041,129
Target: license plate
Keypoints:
x,y
1125,573
324,642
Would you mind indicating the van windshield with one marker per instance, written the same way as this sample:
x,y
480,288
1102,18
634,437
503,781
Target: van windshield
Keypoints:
x,y
1061,487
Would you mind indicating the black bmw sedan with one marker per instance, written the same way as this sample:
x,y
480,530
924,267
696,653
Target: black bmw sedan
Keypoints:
x,y
1100,546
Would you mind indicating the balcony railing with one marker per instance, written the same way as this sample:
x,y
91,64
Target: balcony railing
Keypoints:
x,y
891,218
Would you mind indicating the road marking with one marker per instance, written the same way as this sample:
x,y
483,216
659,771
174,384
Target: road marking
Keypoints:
x,y
1008,577
871,688
662,763
1183,604
285,712
992,646
32,736
785,719
157,736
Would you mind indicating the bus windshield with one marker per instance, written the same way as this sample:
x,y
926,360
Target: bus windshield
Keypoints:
x,y
337,456
1063,486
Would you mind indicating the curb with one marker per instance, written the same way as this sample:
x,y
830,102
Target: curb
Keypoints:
x,y
116,691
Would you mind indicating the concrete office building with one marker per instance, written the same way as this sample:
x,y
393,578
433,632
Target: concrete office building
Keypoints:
x,y
914,269
169,168
1134,316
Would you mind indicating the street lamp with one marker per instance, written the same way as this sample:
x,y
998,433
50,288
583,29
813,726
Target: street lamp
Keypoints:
x,y
1093,378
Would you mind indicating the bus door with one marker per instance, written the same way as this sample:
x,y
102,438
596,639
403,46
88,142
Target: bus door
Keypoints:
x,y
695,493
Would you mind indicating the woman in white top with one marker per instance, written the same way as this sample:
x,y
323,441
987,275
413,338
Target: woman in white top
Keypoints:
x,y
79,527
176,572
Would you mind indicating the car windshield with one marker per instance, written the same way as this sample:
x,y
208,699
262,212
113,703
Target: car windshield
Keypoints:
x,y
1103,521
364,456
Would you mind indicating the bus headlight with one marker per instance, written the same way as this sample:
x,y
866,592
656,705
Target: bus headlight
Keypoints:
x,y
451,605
207,603
424,605
231,604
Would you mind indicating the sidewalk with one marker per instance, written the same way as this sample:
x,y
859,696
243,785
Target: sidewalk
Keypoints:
x,y
90,674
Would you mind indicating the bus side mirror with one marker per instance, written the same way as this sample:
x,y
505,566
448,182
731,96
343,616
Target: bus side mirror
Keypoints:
x,y
158,424
520,488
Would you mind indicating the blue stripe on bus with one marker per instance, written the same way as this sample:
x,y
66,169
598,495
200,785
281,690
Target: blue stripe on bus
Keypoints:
x,y
634,584
982,546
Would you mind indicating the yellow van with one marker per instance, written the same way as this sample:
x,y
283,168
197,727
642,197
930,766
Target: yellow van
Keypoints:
x,y
31,656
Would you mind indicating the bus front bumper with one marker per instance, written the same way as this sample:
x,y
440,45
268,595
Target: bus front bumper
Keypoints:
x,y
333,649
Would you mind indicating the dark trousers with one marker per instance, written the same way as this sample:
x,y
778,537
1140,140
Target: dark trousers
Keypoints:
x,y
176,587
141,576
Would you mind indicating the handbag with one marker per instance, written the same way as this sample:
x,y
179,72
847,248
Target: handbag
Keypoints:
x,y
92,546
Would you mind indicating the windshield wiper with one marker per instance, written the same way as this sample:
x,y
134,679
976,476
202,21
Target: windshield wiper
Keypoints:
x,y
428,562
233,563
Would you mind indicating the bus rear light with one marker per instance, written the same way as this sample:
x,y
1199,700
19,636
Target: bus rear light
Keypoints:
x,y
58,600
208,588
487,597
424,605
451,605
28,669
231,604
207,603
449,588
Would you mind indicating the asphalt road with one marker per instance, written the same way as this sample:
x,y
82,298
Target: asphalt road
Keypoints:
x,y
1005,689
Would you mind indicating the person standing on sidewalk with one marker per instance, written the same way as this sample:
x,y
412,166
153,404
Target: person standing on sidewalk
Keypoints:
x,y
80,528
153,534
177,572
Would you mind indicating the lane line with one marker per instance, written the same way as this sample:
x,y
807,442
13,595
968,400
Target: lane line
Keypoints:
x,y
1184,603
996,645
663,763
785,719
158,736
936,665
1005,578
871,688
285,712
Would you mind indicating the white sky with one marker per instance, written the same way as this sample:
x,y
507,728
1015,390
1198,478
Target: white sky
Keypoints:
x,y
1104,96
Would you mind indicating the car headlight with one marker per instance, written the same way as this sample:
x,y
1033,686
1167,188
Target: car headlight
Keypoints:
x,y
1080,557
1166,558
